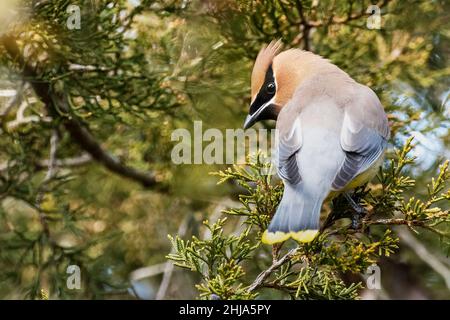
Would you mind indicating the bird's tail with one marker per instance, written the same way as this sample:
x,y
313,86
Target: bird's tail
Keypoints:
x,y
297,216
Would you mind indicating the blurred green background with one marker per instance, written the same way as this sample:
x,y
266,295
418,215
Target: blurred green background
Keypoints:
x,y
136,70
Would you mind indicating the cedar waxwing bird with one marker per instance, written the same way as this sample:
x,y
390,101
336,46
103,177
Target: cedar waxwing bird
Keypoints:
x,y
332,134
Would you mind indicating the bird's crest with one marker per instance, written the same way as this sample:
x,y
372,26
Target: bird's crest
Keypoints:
x,y
262,63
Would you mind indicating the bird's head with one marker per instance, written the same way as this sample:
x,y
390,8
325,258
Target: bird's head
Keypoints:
x,y
275,78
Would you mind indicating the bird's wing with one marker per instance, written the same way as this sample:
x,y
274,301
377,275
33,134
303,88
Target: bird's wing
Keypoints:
x,y
289,142
364,135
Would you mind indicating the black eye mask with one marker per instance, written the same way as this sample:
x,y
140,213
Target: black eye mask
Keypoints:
x,y
266,92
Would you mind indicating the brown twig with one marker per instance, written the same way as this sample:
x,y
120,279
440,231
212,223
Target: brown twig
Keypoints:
x,y
305,25
259,281
48,177
78,132
67,162
396,221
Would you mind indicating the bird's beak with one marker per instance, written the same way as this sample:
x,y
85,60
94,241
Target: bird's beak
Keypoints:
x,y
255,117
249,121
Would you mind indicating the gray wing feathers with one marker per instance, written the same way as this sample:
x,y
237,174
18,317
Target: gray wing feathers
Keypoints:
x,y
363,137
289,170
348,170
289,143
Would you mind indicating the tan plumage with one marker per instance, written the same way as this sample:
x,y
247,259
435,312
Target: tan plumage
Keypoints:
x,y
332,134
263,61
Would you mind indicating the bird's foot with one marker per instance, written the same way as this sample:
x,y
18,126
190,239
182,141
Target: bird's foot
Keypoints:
x,y
359,211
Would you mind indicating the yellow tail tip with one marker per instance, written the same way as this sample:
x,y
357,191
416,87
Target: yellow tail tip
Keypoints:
x,y
303,236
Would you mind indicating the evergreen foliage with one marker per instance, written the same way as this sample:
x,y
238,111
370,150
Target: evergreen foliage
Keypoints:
x,y
312,270
86,177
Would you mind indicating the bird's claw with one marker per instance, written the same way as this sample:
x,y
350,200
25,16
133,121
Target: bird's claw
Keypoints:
x,y
356,221
359,212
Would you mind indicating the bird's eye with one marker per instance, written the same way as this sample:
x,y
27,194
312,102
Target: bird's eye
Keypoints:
x,y
270,88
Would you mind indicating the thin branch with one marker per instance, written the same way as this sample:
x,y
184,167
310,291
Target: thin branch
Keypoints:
x,y
182,229
48,176
59,163
259,281
67,162
52,158
396,221
22,119
86,141
306,25
15,100
147,272
423,253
